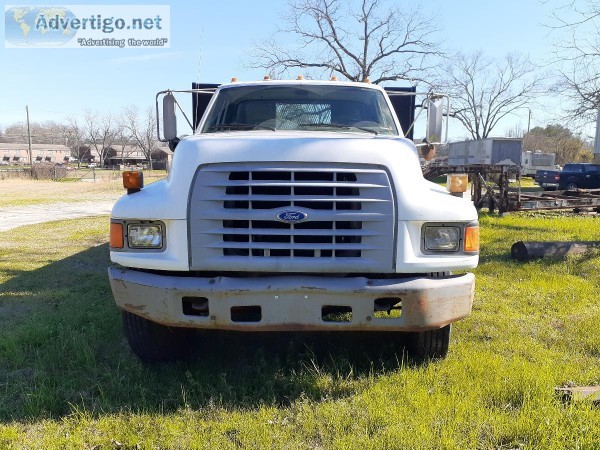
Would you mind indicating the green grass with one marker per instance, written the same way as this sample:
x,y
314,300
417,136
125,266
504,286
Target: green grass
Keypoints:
x,y
526,182
68,379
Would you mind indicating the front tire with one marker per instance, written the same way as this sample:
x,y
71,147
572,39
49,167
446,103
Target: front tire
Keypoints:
x,y
152,342
430,344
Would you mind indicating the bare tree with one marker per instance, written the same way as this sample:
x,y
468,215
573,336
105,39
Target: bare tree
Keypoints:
x,y
577,54
48,132
17,132
123,143
100,132
74,137
142,130
515,131
484,91
357,40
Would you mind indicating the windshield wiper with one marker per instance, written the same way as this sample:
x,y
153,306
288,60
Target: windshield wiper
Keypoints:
x,y
239,127
263,127
229,127
336,125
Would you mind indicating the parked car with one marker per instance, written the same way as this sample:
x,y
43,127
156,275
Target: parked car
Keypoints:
x,y
579,176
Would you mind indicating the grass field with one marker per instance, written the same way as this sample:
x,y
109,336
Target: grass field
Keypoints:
x,y
25,192
69,380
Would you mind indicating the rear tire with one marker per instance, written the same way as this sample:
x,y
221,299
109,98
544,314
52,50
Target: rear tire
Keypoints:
x,y
571,187
152,342
430,344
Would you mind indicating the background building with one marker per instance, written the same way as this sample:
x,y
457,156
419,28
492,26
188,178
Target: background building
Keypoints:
x,y
12,154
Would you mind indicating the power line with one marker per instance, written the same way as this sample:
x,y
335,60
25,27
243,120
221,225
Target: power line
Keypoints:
x,y
57,112
10,109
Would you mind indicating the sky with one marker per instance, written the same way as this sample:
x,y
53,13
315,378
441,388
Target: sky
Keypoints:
x,y
210,42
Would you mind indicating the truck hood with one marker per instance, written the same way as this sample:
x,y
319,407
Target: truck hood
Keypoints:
x,y
417,199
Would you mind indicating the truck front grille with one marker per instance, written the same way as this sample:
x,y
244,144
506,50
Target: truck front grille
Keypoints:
x,y
349,218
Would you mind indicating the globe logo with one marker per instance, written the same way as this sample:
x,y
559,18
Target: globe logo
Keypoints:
x,y
30,26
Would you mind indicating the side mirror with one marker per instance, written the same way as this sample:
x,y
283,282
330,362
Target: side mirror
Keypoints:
x,y
169,117
435,113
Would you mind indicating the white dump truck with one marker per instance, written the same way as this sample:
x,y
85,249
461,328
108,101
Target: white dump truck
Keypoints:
x,y
295,206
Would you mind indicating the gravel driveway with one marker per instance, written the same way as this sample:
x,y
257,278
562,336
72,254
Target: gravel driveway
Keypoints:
x,y
27,215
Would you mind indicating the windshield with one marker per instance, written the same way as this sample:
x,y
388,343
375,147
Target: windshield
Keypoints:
x,y
302,107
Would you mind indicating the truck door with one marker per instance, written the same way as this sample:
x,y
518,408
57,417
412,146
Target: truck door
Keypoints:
x,y
591,179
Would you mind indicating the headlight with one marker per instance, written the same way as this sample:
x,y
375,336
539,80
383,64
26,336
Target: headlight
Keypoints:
x,y
442,239
142,235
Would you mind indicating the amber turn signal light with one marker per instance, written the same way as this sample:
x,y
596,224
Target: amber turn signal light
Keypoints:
x,y
457,182
133,181
116,235
472,239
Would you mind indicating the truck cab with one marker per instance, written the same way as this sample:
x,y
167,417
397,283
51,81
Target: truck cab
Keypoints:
x,y
295,206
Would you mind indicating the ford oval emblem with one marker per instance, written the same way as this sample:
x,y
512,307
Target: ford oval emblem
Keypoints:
x,y
292,216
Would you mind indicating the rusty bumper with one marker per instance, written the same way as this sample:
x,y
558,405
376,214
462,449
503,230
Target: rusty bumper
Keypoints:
x,y
289,303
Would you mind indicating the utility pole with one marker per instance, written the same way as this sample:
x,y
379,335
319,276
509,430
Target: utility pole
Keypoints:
x,y
597,141
529,121
29,140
